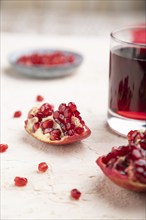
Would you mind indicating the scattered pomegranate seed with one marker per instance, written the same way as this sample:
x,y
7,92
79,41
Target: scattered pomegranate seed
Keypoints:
x,y
20,181
3,147
17,114
39,98
75,194
42,166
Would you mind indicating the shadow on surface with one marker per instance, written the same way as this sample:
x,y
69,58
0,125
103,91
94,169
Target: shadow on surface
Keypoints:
x,y
117,196
60,150
10,72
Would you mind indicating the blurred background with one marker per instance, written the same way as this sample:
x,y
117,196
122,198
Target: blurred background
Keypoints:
x,y
70,17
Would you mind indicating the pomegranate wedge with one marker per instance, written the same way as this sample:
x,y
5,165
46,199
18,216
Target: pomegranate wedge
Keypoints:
x,y
126,165
63,126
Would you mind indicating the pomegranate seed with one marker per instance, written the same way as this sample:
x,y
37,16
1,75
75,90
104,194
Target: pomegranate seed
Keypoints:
x,y
17,114
47,130
62,126
107,158
136,137
62,107
82,122
22,60
72,106
132,134
143,144
57,132
36,126
35,58
75,194
67,113
115,152
70,132
76,114
68,126
3,147
79,117
71,59
42,166
72,126
79,130
39,98
39,115
141,174
140,170
136,154
55,135
55,58
67,120
20,181
122,150
58,121
61,117
47,112
56,114
45,107
140,163
47,124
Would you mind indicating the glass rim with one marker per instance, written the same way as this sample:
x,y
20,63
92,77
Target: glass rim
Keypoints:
x,y
126,28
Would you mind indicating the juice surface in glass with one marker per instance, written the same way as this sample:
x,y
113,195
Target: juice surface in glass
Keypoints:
x,y
127,82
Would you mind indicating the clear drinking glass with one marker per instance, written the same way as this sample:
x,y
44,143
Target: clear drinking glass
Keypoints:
x,y
127,80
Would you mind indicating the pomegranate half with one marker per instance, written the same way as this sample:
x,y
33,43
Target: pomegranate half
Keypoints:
x,y
126,165
63,126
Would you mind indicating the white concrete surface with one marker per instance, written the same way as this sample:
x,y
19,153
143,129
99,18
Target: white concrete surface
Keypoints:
x,y
46,195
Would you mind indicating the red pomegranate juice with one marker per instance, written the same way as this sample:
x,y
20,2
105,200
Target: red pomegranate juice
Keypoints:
x,y
127,82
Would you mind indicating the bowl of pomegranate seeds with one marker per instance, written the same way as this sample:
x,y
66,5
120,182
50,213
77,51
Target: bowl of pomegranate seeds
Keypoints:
x,y
45,63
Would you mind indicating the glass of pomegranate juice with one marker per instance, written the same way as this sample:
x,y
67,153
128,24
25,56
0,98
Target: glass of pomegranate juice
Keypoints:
x,y
127,80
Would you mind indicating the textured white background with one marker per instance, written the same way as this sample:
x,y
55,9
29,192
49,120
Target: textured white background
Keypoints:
x,y
47,195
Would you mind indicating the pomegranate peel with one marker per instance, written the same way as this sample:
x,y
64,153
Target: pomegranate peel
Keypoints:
x,y
60,127
119,179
